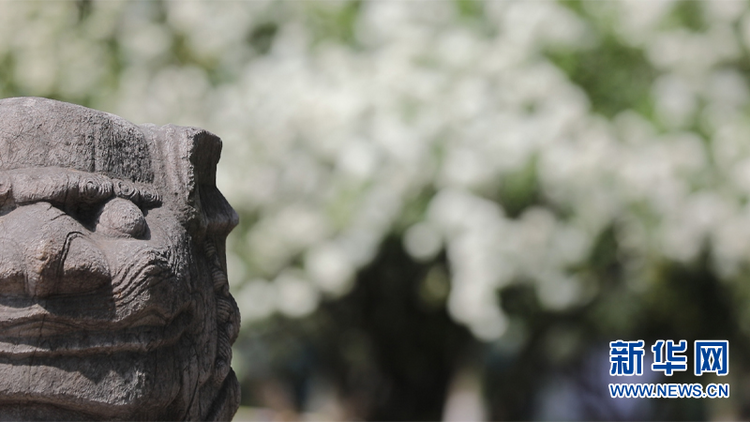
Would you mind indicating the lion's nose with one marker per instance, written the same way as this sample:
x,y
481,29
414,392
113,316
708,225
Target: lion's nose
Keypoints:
x,y
52,253
12,271
75,267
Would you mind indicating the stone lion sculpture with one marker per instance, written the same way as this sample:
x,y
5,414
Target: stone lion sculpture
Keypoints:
x,y
114,301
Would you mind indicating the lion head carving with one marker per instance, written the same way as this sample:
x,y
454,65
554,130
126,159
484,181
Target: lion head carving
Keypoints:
x,y
114,301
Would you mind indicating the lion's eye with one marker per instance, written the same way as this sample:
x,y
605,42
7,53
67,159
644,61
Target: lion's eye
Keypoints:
x,y
121,218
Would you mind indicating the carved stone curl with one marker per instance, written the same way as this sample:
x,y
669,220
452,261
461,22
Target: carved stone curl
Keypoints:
x,y
114,302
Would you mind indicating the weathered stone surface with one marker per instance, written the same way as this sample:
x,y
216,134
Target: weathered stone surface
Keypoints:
x,y
114,302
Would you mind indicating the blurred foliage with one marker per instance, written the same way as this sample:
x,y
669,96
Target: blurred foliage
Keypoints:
x,y
615,77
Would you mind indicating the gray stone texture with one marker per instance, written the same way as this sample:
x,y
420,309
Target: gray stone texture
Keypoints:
x,y
114,302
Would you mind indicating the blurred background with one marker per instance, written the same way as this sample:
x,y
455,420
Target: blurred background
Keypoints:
x,y
448,208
